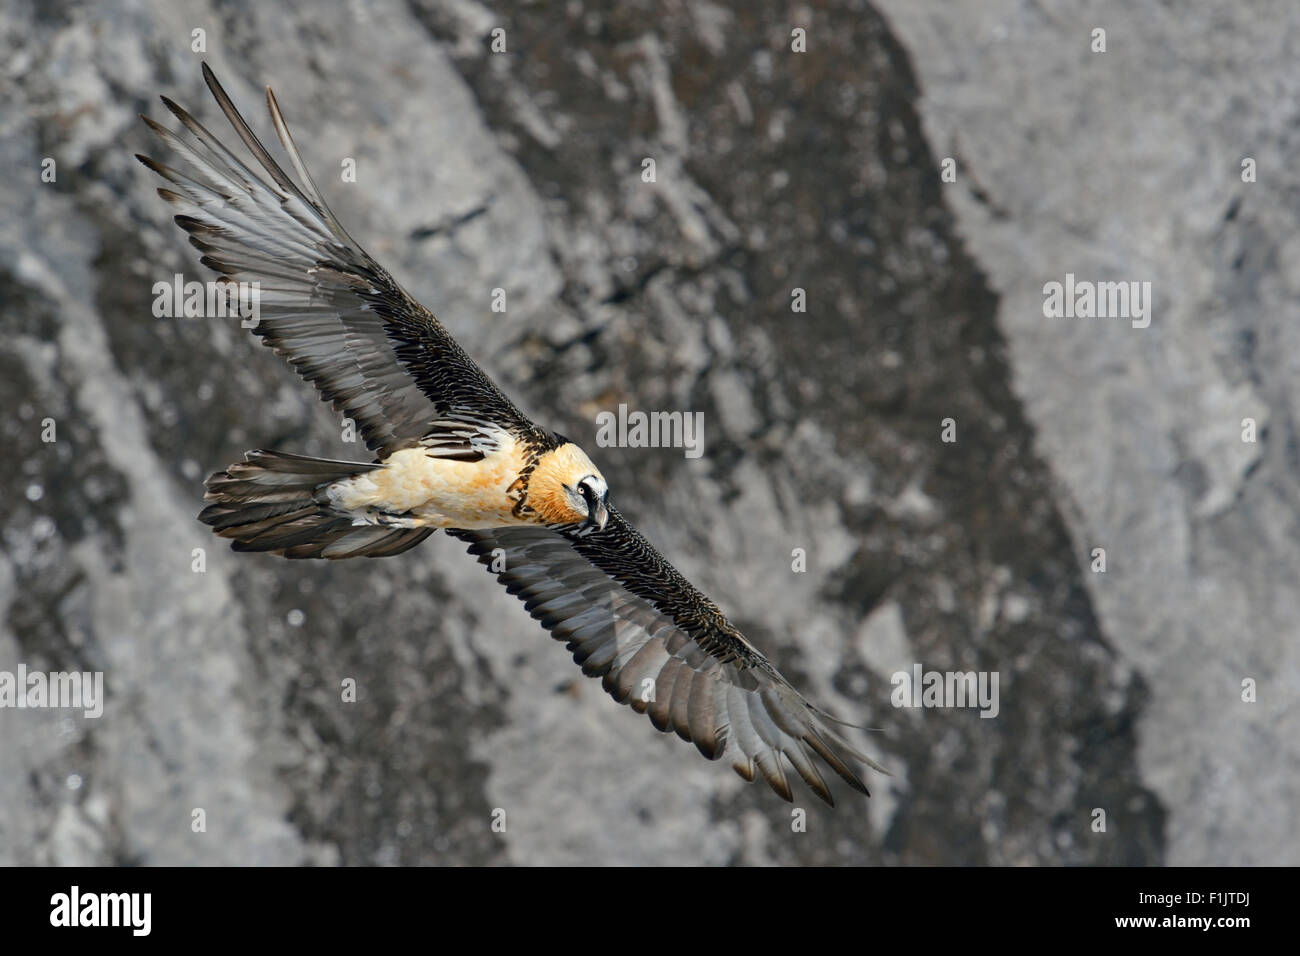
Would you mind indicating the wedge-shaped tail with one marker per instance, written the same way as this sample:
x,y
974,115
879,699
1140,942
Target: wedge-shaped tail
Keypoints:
x,y
272,501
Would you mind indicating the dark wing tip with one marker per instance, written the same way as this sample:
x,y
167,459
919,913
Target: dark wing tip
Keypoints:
x,y
211,80
780,786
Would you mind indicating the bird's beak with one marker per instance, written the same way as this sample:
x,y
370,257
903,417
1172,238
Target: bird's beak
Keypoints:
x,y
599,516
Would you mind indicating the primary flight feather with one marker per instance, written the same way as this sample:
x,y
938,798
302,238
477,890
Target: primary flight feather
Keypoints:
x,y
453,452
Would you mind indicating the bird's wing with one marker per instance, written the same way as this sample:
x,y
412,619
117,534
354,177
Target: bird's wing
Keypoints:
x,y
334,313
665,649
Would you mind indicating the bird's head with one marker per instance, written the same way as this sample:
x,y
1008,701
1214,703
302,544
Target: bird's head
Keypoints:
x,y
567,488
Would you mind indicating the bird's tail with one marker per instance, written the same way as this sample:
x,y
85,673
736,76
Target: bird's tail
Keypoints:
x,y
272,501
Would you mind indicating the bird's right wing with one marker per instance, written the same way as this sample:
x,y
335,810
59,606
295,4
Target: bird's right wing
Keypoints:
x,y
325,305
666,650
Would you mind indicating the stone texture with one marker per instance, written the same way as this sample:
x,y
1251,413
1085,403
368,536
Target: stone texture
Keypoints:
x,y
1127,164
522,171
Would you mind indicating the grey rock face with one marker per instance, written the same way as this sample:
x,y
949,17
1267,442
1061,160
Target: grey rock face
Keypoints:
x,y
1129,164
775,171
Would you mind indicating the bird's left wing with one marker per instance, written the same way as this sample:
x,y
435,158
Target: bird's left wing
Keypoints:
x,y
325,305
665,649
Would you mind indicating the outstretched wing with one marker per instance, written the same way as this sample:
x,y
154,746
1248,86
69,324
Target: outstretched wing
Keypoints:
x,y
339,318
665,649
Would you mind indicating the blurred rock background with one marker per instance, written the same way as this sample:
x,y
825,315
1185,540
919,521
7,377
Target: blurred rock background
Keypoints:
x,y
776,170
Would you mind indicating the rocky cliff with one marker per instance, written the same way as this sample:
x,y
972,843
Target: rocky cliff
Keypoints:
x,y
519,173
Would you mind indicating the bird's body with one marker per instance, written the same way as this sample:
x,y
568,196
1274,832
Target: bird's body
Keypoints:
x,y
453,453
415,488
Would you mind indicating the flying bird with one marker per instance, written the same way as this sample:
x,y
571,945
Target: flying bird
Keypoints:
x,y
452,452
